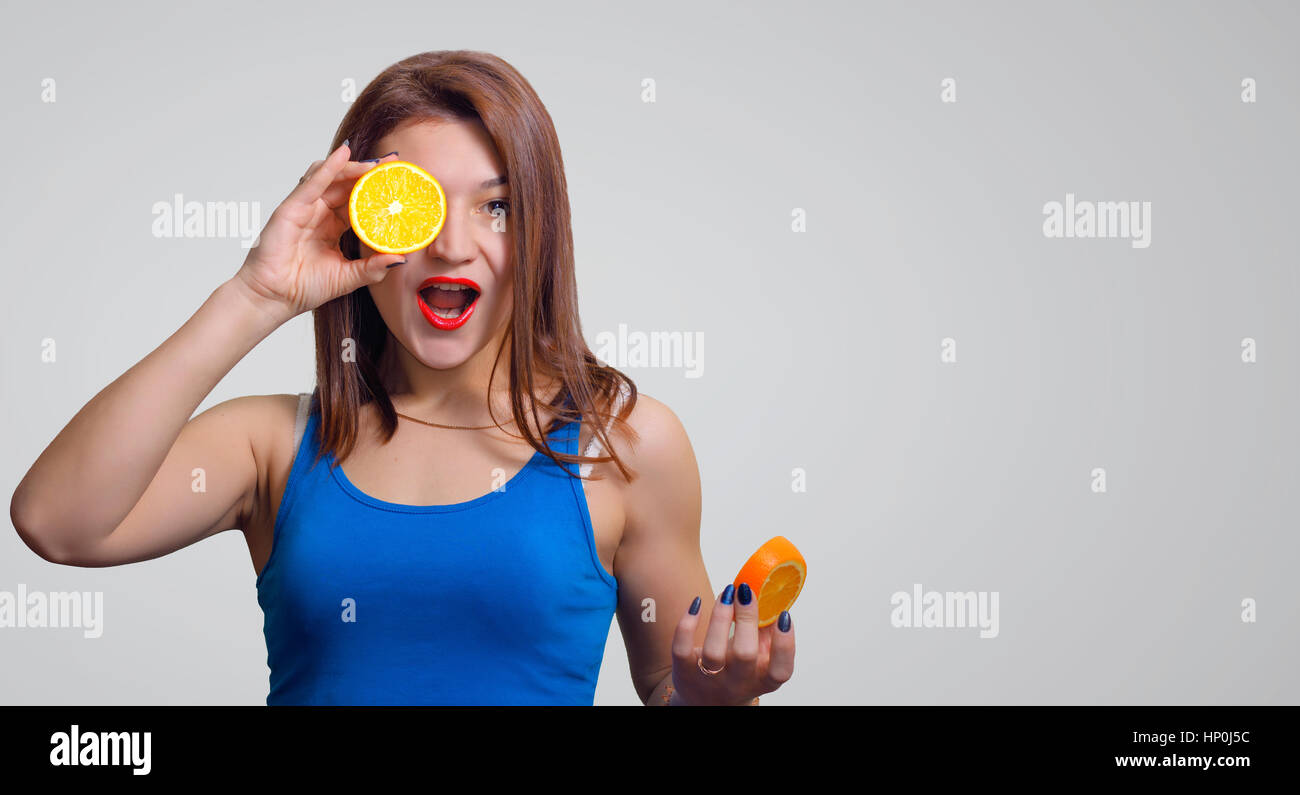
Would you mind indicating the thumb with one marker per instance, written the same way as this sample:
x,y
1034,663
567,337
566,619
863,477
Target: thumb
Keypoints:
x,y
374,268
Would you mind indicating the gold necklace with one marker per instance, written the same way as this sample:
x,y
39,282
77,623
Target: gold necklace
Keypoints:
x,y
451,427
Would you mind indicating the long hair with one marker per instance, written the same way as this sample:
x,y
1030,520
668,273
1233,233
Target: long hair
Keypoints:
x,y
544,334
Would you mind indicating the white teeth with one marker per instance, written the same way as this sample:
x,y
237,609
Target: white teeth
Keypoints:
x,y
447,314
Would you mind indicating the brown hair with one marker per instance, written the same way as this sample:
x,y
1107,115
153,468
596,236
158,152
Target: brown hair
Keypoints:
x,y
544,330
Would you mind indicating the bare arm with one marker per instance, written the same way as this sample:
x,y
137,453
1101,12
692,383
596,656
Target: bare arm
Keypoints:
x,y
120,483
660,558
99,466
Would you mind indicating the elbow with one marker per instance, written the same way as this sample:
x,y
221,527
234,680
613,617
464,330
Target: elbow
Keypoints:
x,y
27,526
20,516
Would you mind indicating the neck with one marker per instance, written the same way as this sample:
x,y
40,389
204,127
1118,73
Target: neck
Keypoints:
x,y
455,396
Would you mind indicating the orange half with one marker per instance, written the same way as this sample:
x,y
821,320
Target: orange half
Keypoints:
x,y
776,573
397,207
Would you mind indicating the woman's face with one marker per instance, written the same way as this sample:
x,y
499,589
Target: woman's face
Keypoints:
x,y
475,244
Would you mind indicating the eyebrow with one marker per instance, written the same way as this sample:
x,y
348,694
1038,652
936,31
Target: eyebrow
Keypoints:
x,y
492,183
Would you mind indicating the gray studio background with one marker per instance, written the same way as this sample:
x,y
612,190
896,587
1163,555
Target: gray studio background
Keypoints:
x,y
821,348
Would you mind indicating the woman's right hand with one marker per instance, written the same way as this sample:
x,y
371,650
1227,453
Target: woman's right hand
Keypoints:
x,y
296,265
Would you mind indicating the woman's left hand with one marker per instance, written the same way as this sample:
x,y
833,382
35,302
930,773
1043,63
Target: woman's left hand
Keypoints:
x,y
752,662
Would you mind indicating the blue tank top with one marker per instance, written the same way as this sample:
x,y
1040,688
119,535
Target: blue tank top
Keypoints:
x,y
498,600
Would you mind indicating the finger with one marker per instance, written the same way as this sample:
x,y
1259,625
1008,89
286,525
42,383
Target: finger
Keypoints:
x,y
292,208
744,644
765,642
337,194
310,170
384,158
780,665
715,640
352,168
319,176
372,269
684,637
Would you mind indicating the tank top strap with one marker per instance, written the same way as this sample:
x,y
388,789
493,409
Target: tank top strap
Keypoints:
x,y
595,448
300,421
564,439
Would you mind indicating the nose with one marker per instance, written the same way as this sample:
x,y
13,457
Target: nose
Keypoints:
x,y
455,243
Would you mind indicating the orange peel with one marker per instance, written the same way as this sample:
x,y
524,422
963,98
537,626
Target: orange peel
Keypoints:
x,y
397,207
776,573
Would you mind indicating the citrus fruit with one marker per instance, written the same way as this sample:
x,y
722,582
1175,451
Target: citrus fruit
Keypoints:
x,y
776,573
397,207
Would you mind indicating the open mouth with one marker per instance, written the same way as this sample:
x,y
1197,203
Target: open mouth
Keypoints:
x,y
447,303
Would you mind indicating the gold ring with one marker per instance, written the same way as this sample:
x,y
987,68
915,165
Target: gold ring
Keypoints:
x,y
700,662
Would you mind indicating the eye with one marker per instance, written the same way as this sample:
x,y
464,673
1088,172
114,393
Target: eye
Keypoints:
x,y
491,205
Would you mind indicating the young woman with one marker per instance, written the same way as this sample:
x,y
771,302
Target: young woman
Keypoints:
x,y
420,524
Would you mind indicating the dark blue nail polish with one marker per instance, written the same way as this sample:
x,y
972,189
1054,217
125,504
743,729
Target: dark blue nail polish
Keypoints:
x,y
395,264
783,623
746,595
727,593
695,606
377,159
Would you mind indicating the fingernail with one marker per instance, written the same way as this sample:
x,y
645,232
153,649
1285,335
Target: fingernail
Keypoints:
x,y
377,159
727,594
346,141
395,264
746,595
695,606
783,623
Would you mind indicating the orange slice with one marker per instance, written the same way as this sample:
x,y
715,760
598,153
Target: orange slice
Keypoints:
x,y
776,573
397,207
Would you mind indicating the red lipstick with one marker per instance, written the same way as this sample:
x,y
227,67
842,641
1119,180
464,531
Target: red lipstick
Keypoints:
x,y
468,300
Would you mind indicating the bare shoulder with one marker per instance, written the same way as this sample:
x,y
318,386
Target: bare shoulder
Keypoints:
x,y
267,422
661,505
270,420
660,456
261,416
